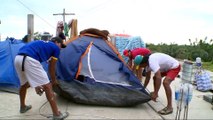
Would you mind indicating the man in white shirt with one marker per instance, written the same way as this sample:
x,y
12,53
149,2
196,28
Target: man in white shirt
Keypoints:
x,y
162,65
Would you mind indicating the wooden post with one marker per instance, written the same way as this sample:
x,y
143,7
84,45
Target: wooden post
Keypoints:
x,y
30,27
64,14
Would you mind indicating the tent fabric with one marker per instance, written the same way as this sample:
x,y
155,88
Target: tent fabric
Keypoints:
x,y
100,94
8,50
89,71
9,80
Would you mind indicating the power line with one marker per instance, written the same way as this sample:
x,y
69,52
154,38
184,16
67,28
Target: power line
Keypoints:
x,y
36,14
99,6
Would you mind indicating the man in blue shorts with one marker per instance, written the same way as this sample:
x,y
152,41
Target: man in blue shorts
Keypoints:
x,y
31,73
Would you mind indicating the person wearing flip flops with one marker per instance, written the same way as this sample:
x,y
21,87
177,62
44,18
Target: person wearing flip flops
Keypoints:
x,y
131,54
162,65
31,72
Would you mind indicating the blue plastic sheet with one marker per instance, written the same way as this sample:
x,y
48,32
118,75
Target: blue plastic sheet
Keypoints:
x,y
8,50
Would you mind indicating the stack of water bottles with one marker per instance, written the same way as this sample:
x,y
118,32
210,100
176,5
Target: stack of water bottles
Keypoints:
x,y
188,70
130,42
202,78
183,96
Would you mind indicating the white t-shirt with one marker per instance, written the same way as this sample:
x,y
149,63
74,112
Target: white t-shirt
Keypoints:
x,y
161,61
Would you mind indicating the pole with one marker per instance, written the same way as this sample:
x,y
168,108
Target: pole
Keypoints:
x,y
30,27
64,14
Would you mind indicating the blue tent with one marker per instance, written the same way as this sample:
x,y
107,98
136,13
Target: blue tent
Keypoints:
x,y
8,50
9,80
91,71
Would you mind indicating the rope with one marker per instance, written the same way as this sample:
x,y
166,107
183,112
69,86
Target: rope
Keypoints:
x,y
44,115
49,115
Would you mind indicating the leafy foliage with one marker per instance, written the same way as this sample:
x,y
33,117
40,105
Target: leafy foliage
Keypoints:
x,y
198,48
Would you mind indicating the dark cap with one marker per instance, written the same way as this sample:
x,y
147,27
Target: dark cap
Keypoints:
x,y
58,40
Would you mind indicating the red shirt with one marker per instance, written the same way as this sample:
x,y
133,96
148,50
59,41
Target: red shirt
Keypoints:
x,y
139,51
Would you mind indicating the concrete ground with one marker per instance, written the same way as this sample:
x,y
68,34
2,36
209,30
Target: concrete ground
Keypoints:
x,y
198,108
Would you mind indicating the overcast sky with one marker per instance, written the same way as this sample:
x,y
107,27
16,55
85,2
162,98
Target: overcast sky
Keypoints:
x,y
156,21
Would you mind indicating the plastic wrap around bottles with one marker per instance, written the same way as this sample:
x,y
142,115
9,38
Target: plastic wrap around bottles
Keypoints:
x,y
188,72
203,81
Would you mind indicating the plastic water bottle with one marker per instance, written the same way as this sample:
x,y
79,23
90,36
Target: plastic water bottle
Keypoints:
x,y
198,62
185,94
177,94
187,90
190,87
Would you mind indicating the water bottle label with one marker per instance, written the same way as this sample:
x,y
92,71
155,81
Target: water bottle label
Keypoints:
x,y
177,95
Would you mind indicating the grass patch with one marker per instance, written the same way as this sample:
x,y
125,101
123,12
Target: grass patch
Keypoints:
x,y
208,66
